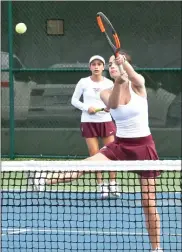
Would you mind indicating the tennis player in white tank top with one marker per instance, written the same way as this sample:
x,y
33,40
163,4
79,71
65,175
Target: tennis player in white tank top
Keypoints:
x,y
129,108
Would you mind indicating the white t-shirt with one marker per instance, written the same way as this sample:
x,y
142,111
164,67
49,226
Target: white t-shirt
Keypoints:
x,y
91,98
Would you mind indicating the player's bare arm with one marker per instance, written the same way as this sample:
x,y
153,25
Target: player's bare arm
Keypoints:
x,y
104,95
114,98
137,80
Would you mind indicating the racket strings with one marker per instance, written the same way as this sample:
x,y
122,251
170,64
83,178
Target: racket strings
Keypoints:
x,y
108,30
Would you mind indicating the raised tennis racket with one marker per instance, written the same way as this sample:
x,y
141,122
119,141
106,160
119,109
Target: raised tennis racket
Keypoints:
x,y
110,33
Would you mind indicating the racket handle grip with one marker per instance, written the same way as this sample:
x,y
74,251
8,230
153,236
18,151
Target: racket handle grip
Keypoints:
x,y
119,66
121,69
99,109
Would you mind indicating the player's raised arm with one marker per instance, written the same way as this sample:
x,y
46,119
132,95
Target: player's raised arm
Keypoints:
x,y
120,78
104,95
136,79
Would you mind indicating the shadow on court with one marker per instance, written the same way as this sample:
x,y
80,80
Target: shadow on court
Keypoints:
x,y
72,222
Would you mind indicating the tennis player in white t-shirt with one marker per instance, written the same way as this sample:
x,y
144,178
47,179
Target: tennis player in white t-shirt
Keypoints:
x,y
95,125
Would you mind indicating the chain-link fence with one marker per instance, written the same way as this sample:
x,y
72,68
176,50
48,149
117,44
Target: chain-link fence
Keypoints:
x,y
150,31
44,69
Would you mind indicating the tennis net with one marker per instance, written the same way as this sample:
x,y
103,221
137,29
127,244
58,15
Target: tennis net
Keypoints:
x,y
72,216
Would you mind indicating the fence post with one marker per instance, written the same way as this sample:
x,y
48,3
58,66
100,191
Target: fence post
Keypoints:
x,y
11,84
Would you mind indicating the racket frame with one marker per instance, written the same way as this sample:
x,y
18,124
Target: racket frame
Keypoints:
x,y
102,17
115,48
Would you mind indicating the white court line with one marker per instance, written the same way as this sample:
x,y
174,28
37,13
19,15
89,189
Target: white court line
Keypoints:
x,y
86,232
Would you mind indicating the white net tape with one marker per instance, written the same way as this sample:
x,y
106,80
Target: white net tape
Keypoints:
x,y
90,165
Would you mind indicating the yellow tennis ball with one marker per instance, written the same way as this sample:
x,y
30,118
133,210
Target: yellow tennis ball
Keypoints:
x,y
21,28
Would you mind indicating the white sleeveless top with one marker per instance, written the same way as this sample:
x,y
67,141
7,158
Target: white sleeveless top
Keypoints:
x,y
132,119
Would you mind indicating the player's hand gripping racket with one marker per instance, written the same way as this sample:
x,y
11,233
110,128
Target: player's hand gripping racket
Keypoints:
x,y
110,33
101,109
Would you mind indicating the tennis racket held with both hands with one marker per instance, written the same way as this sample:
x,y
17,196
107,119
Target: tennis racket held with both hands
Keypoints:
x,y
110,33
112,37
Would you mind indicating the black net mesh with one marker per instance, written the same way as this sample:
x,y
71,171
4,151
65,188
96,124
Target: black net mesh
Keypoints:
x,y
81,216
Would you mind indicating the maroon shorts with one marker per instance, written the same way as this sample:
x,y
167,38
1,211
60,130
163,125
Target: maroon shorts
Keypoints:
x,y
142,148
103,129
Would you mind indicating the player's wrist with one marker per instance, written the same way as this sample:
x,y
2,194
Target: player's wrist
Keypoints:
x,y
119,81
121,60
122,78
123,75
